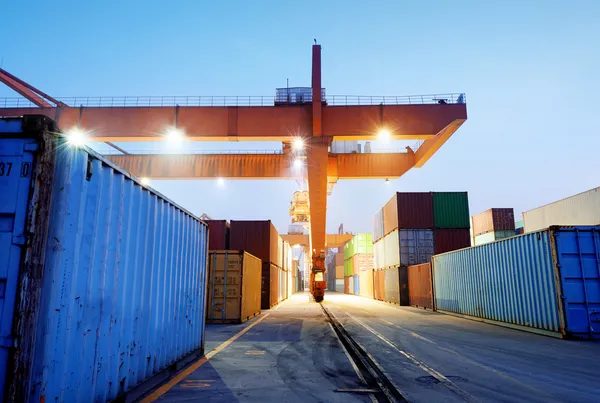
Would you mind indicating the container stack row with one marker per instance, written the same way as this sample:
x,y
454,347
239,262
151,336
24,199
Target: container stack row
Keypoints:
x,y
408,230
334,263
358,265
258,239
492,225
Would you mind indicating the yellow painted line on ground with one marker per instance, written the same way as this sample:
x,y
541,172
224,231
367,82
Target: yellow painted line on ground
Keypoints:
x,y
189,370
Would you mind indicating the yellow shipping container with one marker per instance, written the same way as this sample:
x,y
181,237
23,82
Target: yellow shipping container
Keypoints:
x,y
366,283
234,281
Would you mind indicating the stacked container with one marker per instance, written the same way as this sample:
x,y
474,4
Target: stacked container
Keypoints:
x,y
519,228
260,238
339,272
581,209
493,225
358,255
218,238
412,227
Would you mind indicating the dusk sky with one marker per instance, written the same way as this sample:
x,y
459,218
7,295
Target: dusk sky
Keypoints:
x,y
530,71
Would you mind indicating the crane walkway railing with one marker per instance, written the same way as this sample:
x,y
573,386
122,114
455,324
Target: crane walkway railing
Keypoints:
x,y
184,101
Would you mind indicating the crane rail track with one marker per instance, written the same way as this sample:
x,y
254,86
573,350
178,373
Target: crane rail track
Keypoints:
x,y
368,370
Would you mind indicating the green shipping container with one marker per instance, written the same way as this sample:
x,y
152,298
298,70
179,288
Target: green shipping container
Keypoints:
x,y
348,247
348,267
451,210
362,243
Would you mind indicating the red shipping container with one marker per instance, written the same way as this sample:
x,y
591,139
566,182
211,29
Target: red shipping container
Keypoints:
x,y
408,210
259,238
420,286
447,240
218,238
495,219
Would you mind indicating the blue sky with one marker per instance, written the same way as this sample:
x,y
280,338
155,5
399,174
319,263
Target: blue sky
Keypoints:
x,y
530,70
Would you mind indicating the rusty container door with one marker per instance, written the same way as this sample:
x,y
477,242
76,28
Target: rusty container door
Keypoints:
x,y
415,210
448,240
379,285
218,238
420,286
234,287
269,285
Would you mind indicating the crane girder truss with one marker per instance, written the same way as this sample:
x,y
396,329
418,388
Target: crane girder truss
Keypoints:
x,y
316,122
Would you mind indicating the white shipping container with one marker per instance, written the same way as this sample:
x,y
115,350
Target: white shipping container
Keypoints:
x,y
351,287
581,209
492,237
392,249
379,252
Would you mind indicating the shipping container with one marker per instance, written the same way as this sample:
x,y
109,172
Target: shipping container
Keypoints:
x,y
84,247
451,210
420,286
339,285
351,285
347,285
408,210
379,254
581,209
379,285
356,285
447,240
259,238
348,268
360,243
366,283
339,272
234,279
396,285
269,285
282,285
493,236
218,238
362,261
546,281
408,247
495,219
378,226
339,259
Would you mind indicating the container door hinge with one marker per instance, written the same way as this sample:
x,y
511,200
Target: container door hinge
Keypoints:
x,y
31,147
20,240
6,342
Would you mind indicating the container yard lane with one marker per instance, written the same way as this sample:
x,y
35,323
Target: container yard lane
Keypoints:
x,y
351,348
431,356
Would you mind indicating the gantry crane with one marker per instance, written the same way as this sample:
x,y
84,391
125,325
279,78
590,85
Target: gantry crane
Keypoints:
x,y
314,117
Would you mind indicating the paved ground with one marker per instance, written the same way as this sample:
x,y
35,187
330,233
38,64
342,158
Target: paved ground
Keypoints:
x,y
291,354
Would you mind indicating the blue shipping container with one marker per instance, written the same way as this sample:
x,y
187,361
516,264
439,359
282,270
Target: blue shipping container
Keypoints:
x,y
546,282
356,285
105,278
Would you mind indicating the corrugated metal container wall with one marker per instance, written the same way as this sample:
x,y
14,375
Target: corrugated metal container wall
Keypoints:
x,y
581,209
420,286
495,219
339,285
348,268
362,243
391,247
349,249
260,238
94,323
356,284
390,215
339,272
451,210
415,210
416,246
447,240
339,259
362,262
234,279
379,285
546,281
378,225
351,285
268,286
366,283
347,285
493,236
392,285
218,238
379,254
280,251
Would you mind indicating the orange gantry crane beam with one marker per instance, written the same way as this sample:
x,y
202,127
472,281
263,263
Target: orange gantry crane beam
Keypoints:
x,y
319,121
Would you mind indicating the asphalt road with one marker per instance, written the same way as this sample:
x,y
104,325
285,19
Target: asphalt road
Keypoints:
x,y
291,354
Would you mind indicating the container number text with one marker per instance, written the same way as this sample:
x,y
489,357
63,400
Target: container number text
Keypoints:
x,y
5,168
